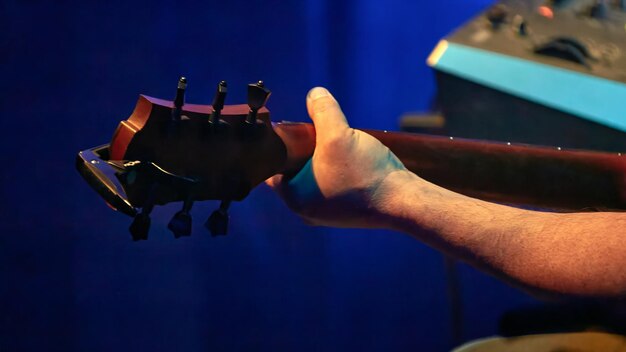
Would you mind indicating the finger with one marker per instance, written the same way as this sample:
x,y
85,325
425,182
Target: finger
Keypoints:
x,y
326,114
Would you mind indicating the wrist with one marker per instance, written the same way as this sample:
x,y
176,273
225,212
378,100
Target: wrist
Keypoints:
x,y
397,200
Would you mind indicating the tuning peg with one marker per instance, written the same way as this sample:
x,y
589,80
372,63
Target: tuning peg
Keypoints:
x,y
179,100
257,97
140,227
217,223
218,102
180,224
141,224
177,110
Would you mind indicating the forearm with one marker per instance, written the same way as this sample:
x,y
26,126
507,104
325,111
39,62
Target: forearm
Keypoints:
x,y
362,184
577,254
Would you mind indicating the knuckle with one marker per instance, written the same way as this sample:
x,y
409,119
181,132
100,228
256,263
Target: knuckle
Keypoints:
x,y
335,142
341,138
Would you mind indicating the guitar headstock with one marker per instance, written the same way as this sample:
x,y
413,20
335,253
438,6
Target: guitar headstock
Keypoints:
x,y
169,151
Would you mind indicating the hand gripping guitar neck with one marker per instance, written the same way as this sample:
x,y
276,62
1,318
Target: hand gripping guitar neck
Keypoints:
x,y
175,152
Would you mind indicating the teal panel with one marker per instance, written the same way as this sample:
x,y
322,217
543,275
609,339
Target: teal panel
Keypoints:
x,y
586,96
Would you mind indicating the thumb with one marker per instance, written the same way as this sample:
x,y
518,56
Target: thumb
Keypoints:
x,y
325,113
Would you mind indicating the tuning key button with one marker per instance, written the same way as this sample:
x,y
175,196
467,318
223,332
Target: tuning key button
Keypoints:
x,y
180,224
140,227
218,102
171,128
179,100
217,223
258,95
141,224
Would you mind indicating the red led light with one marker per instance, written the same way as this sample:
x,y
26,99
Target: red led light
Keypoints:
x,y
546,12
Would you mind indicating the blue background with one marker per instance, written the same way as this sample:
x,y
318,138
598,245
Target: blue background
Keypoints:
x,y
70,277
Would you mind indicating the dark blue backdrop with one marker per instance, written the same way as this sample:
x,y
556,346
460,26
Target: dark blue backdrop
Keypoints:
x,y
71,279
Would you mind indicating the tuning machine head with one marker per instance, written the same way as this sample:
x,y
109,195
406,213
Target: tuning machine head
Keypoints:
x,y
217,223
220,96
180,224
140,226
218,102
258,95
172,128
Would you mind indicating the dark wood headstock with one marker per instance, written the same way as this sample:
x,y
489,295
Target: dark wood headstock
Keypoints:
x,y
218,156
170,151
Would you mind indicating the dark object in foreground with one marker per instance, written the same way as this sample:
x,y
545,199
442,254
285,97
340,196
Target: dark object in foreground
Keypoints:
x,y
564,317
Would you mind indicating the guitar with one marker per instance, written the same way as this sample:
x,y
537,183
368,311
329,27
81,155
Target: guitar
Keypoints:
x,y
169,151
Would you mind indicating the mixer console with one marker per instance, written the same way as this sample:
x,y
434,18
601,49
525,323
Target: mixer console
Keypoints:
x,y
540,72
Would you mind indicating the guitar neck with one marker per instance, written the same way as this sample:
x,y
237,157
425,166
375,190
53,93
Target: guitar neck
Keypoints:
x,y
522,175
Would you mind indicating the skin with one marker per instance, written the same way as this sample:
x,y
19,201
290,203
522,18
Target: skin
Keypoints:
x,y
364,185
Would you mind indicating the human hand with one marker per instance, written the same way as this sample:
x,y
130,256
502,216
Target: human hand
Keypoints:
x,y
348,181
